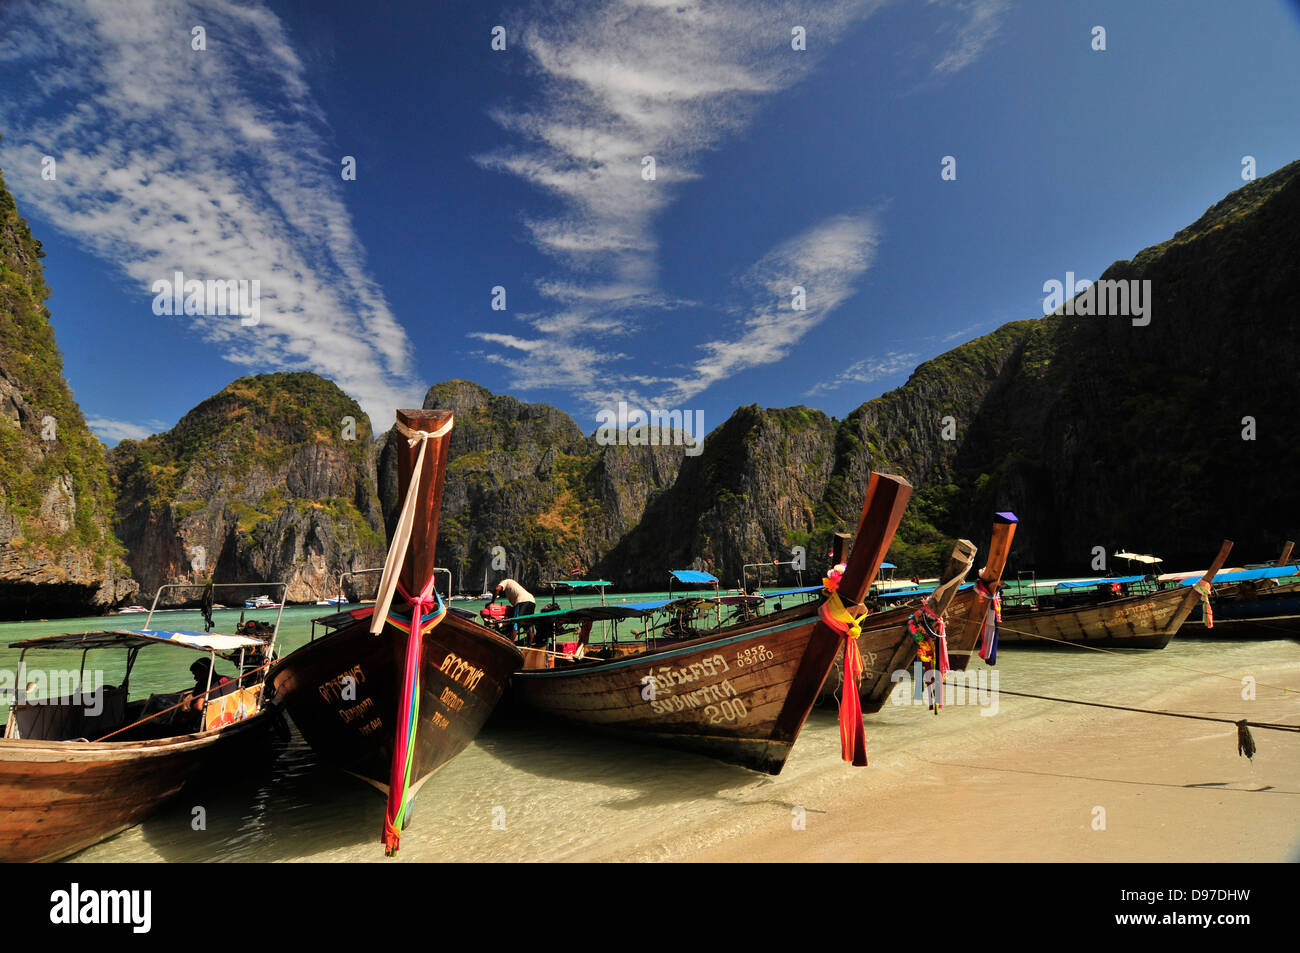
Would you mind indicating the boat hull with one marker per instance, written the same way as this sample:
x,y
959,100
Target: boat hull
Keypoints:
x,y
1247,611
60,797
1139,622
352,724
740,695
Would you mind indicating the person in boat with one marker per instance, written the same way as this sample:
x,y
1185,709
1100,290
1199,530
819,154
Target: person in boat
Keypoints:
x,y
221,685
521,603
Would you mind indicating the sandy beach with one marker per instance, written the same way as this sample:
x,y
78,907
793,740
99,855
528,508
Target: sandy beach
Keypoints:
x,y
1032,783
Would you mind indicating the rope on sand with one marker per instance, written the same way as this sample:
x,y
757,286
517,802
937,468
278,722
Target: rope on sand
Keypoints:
x,y
1245,743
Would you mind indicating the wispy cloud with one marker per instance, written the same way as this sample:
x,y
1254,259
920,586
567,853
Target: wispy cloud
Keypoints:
x,y
826,262
617,82
866,371
111,431
976,23
213,162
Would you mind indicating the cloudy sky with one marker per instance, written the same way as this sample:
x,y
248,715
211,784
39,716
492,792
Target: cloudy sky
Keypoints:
x,y
688,205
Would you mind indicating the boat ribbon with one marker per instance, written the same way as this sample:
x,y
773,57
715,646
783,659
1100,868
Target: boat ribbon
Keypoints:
x,y
408,707
989,643
931,636
1203,587
853,741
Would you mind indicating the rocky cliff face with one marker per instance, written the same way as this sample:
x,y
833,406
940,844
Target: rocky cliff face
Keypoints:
x,y
58,556
273,479
523,477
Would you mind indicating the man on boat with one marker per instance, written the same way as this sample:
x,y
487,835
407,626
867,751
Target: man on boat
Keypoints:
x,y
520,599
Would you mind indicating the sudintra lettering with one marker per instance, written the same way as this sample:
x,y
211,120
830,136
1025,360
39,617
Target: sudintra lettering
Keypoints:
x,y
695,699
459,670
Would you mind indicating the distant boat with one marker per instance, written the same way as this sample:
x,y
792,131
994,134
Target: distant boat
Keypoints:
x,y
1094,612
131,610
340,601
261,602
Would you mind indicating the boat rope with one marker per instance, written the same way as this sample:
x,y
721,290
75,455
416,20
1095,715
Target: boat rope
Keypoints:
x,y
185,701
836,617
1124,655
1245,743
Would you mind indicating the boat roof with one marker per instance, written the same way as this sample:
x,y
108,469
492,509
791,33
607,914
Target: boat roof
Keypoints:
x,y
1246,575
693,576
1137,557
129,638
578,583
1099,581
915,591
791,592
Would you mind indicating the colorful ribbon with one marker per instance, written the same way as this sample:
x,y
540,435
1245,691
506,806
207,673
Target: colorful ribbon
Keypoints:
x,y
1203,588
989,643
408,708
932,647
853,736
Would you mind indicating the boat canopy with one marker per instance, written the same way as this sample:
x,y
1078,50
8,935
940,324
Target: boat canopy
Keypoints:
x,y
137,638
888,566
915,591
791,592
579,584
1135,557
1246,575
693,576
1103,581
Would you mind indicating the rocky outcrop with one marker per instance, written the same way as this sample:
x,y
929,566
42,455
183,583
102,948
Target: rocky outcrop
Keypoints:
x,y
273,479
527,494
58,555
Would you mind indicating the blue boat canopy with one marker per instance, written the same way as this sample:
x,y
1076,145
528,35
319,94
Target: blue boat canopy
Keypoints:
x,y
1247,575
791,592
578,584
693,576
130,638
1106,581
888,566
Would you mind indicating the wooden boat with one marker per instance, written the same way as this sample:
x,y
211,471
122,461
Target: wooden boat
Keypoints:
x,y
968,615
886,642
740,693
77,768
369,698
1147,620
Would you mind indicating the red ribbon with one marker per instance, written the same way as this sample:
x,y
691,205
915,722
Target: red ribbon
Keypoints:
x,y
853,736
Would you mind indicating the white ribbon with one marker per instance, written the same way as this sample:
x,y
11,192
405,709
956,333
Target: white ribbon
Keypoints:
x,y
405,524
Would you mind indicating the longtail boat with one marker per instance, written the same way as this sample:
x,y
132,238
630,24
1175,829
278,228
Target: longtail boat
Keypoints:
x,y
889,641
973,617
86,762
389,695
1146,620
741,693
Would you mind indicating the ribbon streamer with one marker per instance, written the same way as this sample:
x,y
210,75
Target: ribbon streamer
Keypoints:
x,y
1203,588
853,736
932,647
989,642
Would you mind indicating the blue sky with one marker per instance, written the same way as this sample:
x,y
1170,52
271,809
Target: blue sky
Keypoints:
x,y
522,168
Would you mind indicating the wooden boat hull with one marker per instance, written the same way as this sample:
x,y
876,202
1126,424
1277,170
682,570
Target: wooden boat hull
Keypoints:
x,y
1246,611
59,797
740,694
464,670
1139,622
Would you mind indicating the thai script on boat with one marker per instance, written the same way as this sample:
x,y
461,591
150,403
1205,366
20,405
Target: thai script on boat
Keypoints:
x,y
1108,297
350,715
667,678
343,687
453,701
221,297
459,670
34,686
655,428
974,687
74,905
698,698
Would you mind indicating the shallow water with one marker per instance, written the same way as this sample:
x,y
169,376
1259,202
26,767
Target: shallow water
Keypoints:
x,y
538,793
